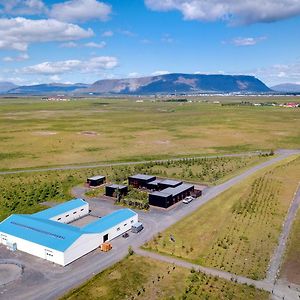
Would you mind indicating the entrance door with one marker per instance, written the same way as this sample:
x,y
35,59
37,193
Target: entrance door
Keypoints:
x,y
105,238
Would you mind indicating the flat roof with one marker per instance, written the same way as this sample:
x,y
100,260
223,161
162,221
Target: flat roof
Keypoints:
x,y
161,194
97,177
60,209
142,177
117,186
171,182
155,182
109,221
178,189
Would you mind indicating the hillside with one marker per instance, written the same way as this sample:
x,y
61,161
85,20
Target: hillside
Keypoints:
x,y
287,88
6,86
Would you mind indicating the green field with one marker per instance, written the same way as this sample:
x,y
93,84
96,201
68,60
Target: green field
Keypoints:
x,y
238,231
291,266
142,278
22,193
38,133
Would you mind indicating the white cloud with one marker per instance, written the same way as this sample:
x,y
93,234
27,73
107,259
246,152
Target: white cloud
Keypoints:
x,y
108,33
55,78
127,33
232,11
133,74
21,7
94,64
279,73
167,39
249,41
80,10
18,33
157,73
20,57
69,45
95,45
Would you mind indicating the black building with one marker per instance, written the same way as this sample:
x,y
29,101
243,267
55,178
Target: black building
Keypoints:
x,y
113,189
140,180
164,184
95,180
170,196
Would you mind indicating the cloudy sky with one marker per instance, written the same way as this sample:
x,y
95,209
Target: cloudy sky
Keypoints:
x,y
87,40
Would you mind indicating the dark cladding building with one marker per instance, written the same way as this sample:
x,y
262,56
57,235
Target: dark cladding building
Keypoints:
x,y
170,195
161,184
113,189
140,180
95,180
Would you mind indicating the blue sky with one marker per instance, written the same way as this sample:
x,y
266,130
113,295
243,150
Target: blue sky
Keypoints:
x,y
87,40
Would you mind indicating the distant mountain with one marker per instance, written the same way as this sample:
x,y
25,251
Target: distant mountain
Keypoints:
x,y
179,83
44,89
6,86
162,84
287,88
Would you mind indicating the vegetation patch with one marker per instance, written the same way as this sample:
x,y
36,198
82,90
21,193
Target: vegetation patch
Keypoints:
x,y
238,231
142,278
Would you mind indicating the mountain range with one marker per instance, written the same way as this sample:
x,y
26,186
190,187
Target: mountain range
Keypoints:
x,y
161,84
287,88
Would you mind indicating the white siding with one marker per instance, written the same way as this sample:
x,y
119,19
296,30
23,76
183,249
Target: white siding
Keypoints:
x,y
72,215
35,249
89,242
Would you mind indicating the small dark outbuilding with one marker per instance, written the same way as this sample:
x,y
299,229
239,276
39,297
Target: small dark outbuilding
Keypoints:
x,y
95,180
140,180
111,190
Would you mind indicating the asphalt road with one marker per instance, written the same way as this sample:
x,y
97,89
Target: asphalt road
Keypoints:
x,y
92,166
43,280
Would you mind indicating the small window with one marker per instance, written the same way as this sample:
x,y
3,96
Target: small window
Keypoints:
x,y
67,216
75,212
118,229
82,209
125,224
58,219
131,221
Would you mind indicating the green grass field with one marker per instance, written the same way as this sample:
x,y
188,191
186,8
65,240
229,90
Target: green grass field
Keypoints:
x,y
36,133
238,230
291,266
142,278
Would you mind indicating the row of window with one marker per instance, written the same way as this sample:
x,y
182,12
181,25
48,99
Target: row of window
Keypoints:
x,y
118,229
75,212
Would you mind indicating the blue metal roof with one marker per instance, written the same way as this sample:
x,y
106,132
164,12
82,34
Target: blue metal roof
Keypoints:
x,y
109,221
48,233
56,235
60,209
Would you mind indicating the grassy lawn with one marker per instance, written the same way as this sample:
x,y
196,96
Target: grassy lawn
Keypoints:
x,y
291,267
22,193
36,133
238,230
143,278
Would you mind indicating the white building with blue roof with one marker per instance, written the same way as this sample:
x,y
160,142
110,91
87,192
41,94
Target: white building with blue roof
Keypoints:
x,y
47,235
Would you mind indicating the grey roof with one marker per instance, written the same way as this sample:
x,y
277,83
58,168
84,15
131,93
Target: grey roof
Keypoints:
x,y
171,182
155,182
161,194
178,189
117,186
137,224
142,176
96,177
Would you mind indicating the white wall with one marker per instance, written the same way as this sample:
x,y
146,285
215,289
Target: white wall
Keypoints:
x,y
34,249
72,215
89,242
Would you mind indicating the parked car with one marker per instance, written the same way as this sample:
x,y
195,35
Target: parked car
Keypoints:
x,y
125,235
188,199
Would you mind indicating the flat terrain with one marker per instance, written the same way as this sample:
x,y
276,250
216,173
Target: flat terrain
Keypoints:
x,y
238,231
38,133
22,193
290,270
138,277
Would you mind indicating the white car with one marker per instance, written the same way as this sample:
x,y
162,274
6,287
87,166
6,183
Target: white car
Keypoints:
x,y
188,199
